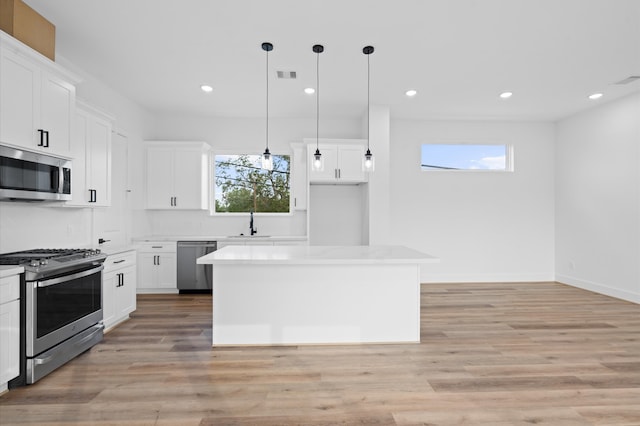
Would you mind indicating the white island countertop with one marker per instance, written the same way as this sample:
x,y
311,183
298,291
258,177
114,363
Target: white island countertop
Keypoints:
x,y
316,255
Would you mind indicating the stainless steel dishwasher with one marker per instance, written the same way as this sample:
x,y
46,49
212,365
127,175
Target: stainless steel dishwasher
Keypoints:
x,y
191,276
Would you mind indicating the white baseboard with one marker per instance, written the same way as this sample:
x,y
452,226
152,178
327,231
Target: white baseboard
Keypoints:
x,y
599,288
426,277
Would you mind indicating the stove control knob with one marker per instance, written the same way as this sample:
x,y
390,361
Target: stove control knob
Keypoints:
x,y
86,254
44,262
97,251
34,263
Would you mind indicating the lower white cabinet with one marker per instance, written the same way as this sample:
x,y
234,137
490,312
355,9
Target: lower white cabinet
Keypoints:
x,y
157,271
119,288
9,329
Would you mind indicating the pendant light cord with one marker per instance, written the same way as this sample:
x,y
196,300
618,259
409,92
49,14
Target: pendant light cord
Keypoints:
x,y
368,103
317,100
267,114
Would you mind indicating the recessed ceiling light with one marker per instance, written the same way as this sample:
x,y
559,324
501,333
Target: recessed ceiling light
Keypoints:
x,y
506,95
411,93
309,90
595,96
206,88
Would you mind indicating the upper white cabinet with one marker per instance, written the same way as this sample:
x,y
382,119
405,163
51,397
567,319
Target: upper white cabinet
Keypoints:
x,y
299,177
91,158
37,102
342,162
177,175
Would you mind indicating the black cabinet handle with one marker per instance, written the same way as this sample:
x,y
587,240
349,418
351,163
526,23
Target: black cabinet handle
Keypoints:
x,y
41,131
119,261
93,195
46,145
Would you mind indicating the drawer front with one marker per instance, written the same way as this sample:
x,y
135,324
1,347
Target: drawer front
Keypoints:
x,y
119,261
158,247
9,289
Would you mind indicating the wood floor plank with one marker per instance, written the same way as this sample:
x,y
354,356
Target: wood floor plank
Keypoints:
x,y
490,354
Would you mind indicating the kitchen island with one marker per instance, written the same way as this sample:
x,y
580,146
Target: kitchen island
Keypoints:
x,y
272,295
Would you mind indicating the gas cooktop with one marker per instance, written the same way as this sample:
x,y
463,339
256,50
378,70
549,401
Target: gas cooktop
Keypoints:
x,y
39,263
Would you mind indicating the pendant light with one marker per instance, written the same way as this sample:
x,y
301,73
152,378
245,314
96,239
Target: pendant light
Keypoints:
x,y
368,162
318,164
267,159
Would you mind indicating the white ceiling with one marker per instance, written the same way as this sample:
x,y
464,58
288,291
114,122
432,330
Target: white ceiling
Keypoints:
x,y
459,54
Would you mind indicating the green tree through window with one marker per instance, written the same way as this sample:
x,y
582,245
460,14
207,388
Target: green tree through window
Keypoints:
x,y
243,186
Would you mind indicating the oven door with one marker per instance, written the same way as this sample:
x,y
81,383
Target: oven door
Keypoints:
x,y
60,307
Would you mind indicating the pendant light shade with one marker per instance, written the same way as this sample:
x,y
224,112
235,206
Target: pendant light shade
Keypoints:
x,y
267,159
368,161
318,164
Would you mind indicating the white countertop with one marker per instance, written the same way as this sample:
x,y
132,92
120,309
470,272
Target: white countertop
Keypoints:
x,y
306,255
9,270
257,237
110,251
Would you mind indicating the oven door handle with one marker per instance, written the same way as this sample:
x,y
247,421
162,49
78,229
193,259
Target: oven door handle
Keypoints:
x,y
40,361
59,280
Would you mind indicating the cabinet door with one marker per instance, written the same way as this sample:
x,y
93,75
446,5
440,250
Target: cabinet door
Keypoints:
x,y
10,338
330,160
146,270
109,298
188,179
58,105
350,164
127,292
167,271
299,178
99,161
160,176
79,191
19,103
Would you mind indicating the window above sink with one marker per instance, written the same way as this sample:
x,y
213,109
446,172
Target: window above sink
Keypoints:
x,y
242,186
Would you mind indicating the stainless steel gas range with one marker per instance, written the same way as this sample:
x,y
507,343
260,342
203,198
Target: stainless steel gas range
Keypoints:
x,y
60,307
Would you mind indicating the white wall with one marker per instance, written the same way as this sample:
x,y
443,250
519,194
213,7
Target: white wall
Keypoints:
x,y
598,199
235,135
483,226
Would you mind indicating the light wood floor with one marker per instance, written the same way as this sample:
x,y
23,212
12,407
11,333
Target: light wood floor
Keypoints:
x,y
491,354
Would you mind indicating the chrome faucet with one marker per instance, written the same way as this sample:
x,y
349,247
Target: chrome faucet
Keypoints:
x,y
251,228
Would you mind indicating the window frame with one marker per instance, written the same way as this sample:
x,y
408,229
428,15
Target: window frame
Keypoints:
x,y
509,157
212,191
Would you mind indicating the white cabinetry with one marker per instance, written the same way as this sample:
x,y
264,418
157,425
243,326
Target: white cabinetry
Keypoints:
x,y
178,175
299,177
119,287
92,158
157,267
342,162
9,329
38,100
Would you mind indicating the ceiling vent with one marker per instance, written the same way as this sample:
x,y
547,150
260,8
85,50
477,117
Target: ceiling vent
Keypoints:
x,y
629,79
287,75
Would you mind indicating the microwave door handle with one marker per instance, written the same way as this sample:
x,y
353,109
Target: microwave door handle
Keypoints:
x,y
60,180
60,280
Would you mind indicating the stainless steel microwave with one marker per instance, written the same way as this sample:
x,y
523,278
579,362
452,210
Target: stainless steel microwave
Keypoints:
x,y
32,176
